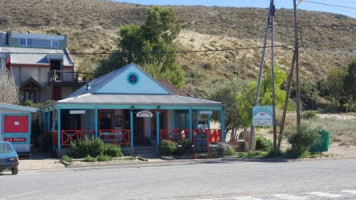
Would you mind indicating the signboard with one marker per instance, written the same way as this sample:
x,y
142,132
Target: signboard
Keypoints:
x,y
77,112
20,139
262,116
118,121
201,143
206,112
144,113
16,124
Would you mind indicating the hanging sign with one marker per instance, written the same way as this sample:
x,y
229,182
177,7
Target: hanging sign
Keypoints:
x,y
144,113
262,116
76,112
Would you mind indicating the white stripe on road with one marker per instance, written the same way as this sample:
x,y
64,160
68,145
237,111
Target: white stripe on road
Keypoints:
x,y
349,191
289,197
325,194
246,198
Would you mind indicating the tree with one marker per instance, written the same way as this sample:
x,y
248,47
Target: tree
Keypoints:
x,y
350,84
150,46
226,93
9,90
335,82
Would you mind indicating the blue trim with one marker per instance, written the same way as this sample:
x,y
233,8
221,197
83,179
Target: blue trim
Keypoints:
x,y
157,127
131,128
16,107
196,119
96,122
190,124
59,128
128,78
222,124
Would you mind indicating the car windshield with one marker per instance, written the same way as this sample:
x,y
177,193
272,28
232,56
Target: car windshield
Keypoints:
x,y
5,148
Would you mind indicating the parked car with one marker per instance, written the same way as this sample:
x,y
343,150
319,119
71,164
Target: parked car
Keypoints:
x,y
9,160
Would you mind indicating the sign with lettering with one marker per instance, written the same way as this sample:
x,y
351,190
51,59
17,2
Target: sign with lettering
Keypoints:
x,y
20,139
206,112
262,116
201,143
144,113
118,121
77,112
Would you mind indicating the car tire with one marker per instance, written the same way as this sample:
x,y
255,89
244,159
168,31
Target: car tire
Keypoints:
x,y
15,171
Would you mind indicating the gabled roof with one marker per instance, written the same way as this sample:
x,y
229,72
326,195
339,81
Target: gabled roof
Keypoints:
x,y
116,82
17,107
173,89
31,80
35,56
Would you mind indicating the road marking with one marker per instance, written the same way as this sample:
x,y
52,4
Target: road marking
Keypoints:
x,y
325,194
289,197
349,191
246,198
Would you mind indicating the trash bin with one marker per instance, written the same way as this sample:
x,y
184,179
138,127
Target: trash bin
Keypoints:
x,y
323,145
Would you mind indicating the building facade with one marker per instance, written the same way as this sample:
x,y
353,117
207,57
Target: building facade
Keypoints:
x,y
129,108
41,64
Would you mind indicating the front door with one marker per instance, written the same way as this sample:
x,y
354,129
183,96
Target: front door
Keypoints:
x,y
138,127
106,120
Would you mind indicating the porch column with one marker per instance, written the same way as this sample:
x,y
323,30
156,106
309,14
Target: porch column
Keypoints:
x,y
209,118
196,119
190,124
131,126
157,126
222,124
96,122
59,127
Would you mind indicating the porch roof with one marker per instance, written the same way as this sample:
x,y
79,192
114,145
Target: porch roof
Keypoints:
x,y
138,99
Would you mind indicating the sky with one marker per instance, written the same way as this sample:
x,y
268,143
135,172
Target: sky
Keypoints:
x,y
307,5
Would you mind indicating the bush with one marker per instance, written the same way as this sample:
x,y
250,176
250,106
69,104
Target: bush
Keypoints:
x,y
263,144
185,147
93,147
88,158
230,151
66,158
102,158
309,115
223,149
112,150
168,147
301,140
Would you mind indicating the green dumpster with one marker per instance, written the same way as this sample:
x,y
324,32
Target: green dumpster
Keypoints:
x,y
323,145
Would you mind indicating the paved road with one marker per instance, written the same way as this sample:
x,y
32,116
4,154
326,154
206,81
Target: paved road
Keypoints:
x,y
322,179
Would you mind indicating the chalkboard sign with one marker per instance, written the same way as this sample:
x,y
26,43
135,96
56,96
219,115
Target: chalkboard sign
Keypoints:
x,y
118,121
201,144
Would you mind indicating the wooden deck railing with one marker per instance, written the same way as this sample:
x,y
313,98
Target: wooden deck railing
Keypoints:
x,y
180,134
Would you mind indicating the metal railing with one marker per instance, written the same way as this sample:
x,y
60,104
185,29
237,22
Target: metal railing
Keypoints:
x,y
59,76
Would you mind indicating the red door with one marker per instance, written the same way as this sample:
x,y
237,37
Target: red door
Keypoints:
x,y
57,93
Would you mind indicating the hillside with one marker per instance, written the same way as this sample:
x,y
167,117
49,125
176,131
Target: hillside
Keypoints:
x,y
92,26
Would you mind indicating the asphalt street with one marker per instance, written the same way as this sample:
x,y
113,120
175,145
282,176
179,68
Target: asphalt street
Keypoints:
x,y
316,179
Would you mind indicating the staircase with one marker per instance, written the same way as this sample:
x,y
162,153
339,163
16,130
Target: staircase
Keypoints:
x,y
146,152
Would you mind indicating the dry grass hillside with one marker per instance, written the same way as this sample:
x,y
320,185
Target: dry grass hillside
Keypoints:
x,y
92,26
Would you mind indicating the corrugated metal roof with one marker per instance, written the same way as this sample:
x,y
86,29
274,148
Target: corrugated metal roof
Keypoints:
x,y
37,36
34,56
121,99
17,107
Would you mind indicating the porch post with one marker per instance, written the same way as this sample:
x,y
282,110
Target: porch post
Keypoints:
x,y
157,126
196,119
131,126
96,122
190,124
59,127
209,118
174,119
222,124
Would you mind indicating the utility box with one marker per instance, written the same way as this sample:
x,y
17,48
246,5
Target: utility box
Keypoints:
x,y
323,145
16,126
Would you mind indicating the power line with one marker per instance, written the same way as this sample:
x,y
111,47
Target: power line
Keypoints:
x,y
332,5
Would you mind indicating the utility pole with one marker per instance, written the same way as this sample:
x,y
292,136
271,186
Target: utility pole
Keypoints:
x,y
296,49
269,26
273,80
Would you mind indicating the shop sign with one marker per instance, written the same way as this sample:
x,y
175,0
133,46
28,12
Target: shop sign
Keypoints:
x,y
20,139
206,112
262,116
77,112
144,113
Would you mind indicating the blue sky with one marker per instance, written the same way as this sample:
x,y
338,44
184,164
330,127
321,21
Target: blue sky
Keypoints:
x,y
261,4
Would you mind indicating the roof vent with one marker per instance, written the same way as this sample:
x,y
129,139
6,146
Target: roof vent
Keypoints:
x,y
88,87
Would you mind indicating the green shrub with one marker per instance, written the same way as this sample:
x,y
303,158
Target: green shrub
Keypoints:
x,y
301,140
223,149
88,158
112,150
168,147
93,147
230,151
66,158
185,147
102,158
263,144
309,115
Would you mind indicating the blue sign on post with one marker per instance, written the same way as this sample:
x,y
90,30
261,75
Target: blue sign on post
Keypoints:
x,y
262,116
